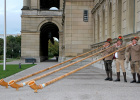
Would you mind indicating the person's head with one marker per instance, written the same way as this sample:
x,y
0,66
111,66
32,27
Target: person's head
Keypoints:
x,y
134,40
108,42
119,40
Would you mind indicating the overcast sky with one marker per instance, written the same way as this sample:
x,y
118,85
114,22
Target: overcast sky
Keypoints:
x,y
13,16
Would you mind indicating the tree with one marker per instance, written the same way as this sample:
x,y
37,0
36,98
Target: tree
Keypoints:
x,y
13,46
1,48
53,49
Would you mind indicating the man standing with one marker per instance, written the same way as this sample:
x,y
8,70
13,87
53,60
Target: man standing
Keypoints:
x,y
134,50
120,59
108,60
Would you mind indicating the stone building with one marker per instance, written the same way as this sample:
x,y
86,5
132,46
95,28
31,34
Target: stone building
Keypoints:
x,y
80,25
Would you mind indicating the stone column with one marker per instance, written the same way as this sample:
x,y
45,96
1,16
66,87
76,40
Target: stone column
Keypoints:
x,y
61,47
26,4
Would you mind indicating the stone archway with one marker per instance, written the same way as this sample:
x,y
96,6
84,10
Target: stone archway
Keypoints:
x,y
47,32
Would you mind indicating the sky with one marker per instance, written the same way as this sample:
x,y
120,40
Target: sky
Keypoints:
x,y
13,16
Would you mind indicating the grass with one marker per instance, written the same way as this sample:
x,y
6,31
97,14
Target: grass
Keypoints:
x,y
12,69
8,60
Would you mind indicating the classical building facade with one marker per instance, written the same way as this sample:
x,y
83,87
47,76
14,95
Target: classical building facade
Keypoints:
x,y
80,25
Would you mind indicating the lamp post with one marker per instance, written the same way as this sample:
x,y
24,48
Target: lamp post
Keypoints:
x,y
4,38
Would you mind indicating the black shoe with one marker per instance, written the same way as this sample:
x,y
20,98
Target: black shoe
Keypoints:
x,y
118,77
124,74
107,78
107,73
125,80
134,81
138,75
110,79
117,80
110,76
134,78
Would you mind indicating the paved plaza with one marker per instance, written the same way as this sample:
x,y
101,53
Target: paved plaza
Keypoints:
x,y
87,84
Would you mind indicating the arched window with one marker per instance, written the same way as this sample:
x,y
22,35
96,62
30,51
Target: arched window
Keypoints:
x,y
47,4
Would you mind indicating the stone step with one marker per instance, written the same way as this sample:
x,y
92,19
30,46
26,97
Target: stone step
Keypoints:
x,y
86,50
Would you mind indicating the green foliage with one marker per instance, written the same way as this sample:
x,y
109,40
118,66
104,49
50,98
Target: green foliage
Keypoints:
x,y
1,47
12,69
53,49
13,47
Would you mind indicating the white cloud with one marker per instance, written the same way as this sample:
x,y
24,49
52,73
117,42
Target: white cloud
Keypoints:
x,y
13,16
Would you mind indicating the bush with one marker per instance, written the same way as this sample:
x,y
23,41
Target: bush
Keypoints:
x,y
1,57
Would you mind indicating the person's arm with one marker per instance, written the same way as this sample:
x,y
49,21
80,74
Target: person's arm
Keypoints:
x,y
123,49
128,49
112,49
136,48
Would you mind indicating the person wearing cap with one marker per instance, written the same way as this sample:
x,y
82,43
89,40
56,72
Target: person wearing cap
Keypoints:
x,y
120,59
134,50
108,60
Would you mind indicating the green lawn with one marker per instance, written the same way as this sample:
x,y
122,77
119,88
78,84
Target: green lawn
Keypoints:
x,y
12,69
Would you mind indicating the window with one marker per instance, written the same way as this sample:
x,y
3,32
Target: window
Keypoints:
x,y
47,4
85,16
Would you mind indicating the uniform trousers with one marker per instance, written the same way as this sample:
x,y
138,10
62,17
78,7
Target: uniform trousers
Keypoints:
x,y
135,66
108,65
118,64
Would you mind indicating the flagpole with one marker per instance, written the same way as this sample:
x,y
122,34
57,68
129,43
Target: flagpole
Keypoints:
x,y
4,57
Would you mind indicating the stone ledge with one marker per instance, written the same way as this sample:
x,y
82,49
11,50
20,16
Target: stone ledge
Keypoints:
x,y
126,37
42,13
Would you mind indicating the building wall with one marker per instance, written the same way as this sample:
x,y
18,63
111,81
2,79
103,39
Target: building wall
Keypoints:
x,y
119,18
78,34
112,18
32,20
115,17
106,18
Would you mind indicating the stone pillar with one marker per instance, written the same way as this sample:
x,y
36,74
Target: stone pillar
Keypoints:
x,y
26,4
61,47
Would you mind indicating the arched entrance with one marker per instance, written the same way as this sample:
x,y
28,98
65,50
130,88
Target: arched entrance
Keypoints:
x,y
48,32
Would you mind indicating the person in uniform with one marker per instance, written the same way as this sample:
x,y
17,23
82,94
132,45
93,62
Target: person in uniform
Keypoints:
x,y
108,60
120,59
134,51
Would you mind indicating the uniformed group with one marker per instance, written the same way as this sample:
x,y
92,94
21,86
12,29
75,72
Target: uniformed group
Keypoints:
x,y
133,50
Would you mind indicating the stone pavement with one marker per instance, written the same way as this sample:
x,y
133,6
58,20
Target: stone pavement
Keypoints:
x,y
87,84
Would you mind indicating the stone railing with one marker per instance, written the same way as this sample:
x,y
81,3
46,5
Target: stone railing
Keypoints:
x,y
42,12
127,38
